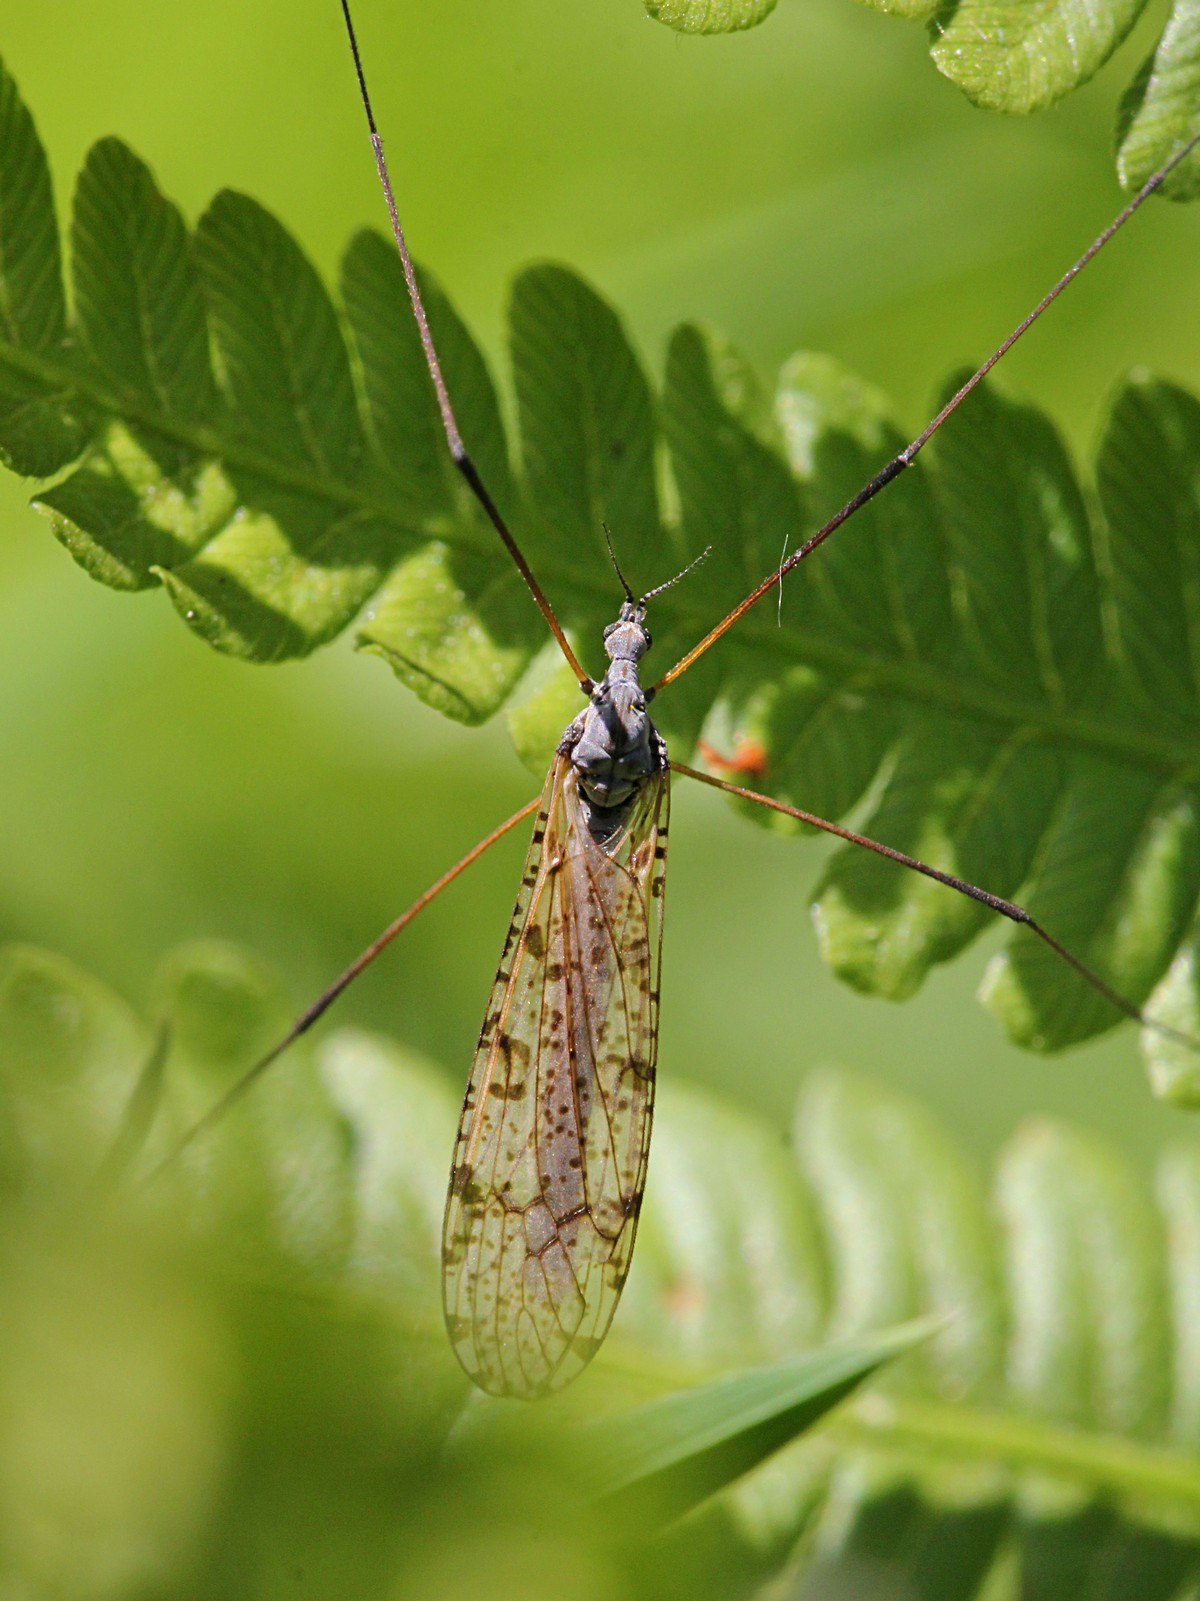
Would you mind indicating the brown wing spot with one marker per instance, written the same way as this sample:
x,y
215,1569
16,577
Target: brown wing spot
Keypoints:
x,y
514,1050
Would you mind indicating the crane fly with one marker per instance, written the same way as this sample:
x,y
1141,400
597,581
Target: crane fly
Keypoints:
x,y
549,1165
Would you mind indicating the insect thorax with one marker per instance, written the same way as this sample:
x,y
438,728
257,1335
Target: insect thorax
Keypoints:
x,y
613,745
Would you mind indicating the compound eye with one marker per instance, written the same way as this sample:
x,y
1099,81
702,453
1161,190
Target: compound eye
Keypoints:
x,y
610,629
648,636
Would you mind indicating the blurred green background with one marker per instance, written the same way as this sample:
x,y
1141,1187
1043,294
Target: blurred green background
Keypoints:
x,y
812,184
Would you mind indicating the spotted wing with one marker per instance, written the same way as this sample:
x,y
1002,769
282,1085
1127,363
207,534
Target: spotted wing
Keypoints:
x,y
550,1161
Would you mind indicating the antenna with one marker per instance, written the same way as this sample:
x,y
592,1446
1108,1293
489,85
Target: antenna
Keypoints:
x,y
612,556
691,566
458,450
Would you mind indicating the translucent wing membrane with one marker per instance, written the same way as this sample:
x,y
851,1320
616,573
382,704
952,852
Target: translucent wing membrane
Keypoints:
x,y
550,1161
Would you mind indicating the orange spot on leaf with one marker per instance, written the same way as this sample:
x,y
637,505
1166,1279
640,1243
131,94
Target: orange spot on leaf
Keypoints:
x,y
749,759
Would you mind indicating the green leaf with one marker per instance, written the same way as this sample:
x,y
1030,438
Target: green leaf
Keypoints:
x,y
39,430
587,424
1017,56
549,702
916,10
729,1269
677,1451
69,1056
1041,1441
725,457
905,1226
222,1011
1086,1285
710,16
1129,912
139,501
1154,546
458,633
1020,56
1064,1337
402,1119
1159,110
1173,1069
139,309
453,620
1005,679
294,569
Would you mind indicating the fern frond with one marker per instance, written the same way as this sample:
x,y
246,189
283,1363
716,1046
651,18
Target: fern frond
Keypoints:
x,y
1005,660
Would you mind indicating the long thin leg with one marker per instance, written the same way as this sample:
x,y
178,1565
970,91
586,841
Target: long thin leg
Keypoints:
x,y
324,1001
458,450
910,452
995,903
